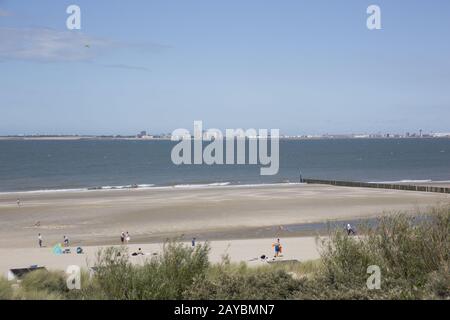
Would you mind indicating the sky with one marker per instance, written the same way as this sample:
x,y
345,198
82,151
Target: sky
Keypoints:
x,y
304,67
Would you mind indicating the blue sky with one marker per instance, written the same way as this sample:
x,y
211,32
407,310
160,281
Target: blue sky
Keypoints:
x,y
300,66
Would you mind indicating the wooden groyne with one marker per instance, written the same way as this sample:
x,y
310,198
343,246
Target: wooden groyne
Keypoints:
x,y
405,187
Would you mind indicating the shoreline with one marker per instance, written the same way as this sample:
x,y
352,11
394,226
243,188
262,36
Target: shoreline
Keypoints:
x,y
425,182
140,187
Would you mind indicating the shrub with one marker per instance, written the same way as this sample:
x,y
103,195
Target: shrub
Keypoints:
x,y
6,291
34,294
169,275
46,281
438,283
412,253
241,282
164,277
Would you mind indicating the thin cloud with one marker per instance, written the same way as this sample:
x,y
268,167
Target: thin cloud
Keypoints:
x,y
148,47
125,67
48,45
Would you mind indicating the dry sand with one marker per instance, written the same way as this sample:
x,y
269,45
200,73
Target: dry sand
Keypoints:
x,y
250,251
92,218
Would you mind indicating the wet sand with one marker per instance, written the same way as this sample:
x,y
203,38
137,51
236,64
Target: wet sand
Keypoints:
x,y
225,212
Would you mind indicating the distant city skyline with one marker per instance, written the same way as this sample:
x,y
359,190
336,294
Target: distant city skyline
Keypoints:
x,y
167,135
304,67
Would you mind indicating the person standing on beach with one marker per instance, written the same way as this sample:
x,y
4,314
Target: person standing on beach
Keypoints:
x,y
66,241
350,229
40,240
193,242
277,247
127,237
122,237
18,202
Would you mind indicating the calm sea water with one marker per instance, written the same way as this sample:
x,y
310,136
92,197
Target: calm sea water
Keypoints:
x,y
50,165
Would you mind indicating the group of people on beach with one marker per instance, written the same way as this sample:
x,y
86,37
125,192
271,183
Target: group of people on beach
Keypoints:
x,y
125,237
41,241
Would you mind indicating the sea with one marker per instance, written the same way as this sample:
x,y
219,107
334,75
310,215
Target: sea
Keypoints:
x,y
65,165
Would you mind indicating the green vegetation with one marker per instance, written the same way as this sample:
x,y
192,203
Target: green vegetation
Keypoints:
x,y
6,291
163,277
412,254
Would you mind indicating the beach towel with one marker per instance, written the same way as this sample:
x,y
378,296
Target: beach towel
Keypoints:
x,y
57,249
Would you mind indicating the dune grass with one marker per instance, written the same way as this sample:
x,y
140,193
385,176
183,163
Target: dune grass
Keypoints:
x,y
6,291
411,252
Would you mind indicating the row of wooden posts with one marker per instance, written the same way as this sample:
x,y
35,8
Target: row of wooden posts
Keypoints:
x,y
379,185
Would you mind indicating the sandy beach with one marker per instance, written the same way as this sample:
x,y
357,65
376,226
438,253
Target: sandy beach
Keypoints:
x,y
250,251
218,214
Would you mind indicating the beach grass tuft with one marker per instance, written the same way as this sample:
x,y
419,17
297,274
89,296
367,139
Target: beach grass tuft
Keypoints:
x,y
6,291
